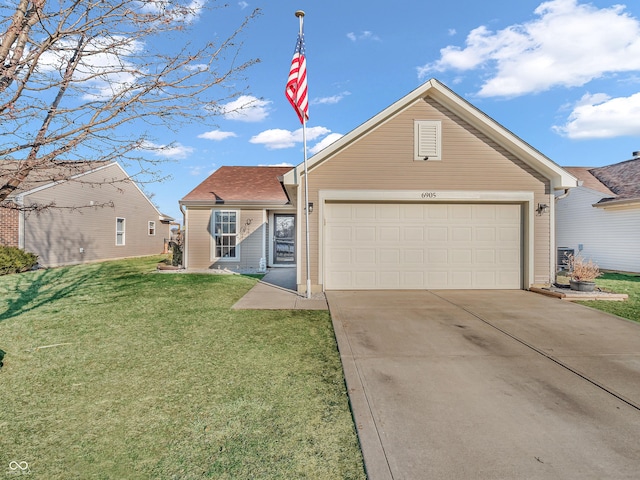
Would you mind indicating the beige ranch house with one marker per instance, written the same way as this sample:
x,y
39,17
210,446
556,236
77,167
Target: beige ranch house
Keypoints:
x,y
430,193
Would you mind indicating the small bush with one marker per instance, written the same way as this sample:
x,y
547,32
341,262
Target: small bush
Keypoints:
x,y
582,271
14,260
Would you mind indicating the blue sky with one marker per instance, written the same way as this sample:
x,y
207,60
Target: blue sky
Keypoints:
x,y
564,75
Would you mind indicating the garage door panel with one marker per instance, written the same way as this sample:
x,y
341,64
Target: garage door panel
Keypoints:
x,y
485,234
413,234
365,256
436,256
390,256
340,233
389,234
366,279
461,234
463,279
487,256
363,211
340,256
509,234
413,278
435,234
389,246
413,256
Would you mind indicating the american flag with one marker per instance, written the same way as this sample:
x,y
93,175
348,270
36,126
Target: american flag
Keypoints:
x,y
296,90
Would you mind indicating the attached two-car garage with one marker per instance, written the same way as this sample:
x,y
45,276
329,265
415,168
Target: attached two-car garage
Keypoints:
x,y
423,245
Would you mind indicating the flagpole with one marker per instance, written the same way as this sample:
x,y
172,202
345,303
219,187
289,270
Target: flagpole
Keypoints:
x,y
300,15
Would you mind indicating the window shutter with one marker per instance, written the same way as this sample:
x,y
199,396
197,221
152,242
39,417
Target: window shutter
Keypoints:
x,y
428,140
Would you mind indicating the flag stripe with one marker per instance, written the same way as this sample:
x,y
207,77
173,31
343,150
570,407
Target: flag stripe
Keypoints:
x,y
296,90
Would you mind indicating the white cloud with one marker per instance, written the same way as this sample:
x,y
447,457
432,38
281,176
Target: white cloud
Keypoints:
x,y
217,135
567,44
246,108
243,5
600,116
325,142
171,151
182,13
104,69
197,67
452,32
329,100
363,36
198,170
276,139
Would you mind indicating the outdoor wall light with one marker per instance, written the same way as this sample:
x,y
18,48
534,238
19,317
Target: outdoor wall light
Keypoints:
x,y
310,207
542,208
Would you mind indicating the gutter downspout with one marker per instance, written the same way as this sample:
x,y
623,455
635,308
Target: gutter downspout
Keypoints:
x,y
184,236
552,238
566,193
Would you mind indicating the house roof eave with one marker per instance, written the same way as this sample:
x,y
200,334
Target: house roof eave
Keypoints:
x,y
234,203
614,203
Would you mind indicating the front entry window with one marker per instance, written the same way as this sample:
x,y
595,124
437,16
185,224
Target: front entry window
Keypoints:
x,y
284,238
224,227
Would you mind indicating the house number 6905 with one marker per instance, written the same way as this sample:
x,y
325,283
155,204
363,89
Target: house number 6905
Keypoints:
x,y
428,194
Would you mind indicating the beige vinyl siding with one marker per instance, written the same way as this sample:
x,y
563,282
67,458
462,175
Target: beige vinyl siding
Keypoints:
x,y
609,237
384,160
201,252
198,237
57,235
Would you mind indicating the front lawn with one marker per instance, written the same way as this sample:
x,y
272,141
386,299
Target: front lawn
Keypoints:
x,y
619,283
115,371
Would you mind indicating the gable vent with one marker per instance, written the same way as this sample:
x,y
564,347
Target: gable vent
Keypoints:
x,y
428,140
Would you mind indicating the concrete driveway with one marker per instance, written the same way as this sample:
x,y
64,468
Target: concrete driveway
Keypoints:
x,y
489,385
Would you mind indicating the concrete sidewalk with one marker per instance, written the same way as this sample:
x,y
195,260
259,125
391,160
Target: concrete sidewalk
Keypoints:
x,y
276,291
489,384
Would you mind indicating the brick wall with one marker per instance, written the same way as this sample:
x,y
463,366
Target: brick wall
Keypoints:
x,y
9,227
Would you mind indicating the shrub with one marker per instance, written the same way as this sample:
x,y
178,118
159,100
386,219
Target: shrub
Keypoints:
x,y
582,271
14,260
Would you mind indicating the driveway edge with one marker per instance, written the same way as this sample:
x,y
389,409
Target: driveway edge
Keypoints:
x,y
375,459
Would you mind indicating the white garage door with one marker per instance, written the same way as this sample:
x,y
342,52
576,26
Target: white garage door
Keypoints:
x,y
415,246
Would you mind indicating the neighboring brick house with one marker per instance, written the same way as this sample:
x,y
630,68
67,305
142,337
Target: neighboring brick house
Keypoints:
x,y
9,224
600,220
93,211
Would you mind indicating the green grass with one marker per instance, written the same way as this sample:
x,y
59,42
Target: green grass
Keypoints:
x,y
115,371
619,283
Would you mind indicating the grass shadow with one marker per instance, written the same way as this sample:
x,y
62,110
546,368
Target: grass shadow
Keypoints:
x,y
28,291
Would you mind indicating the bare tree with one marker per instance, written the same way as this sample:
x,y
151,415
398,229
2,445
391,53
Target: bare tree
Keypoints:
x,y
76,77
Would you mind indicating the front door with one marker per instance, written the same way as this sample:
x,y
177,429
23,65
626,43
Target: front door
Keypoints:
x,y
284,239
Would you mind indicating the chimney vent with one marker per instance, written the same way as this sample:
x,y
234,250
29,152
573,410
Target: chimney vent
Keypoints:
x,y
636,154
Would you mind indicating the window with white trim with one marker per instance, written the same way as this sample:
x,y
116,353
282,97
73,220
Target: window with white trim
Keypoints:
x,y
225,228
120,231
428,140
152,228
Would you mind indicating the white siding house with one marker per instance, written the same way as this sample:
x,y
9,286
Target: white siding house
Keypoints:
x,y
600,220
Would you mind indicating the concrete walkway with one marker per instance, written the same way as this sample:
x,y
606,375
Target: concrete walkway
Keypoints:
x,y
277,291
489,385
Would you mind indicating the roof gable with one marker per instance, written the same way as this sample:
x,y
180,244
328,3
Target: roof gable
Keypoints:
x,y
45,176
241,185
56,173
560,179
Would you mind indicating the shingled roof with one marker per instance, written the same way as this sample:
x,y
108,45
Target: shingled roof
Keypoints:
x,y
623,178
241,185
588,180
620,181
